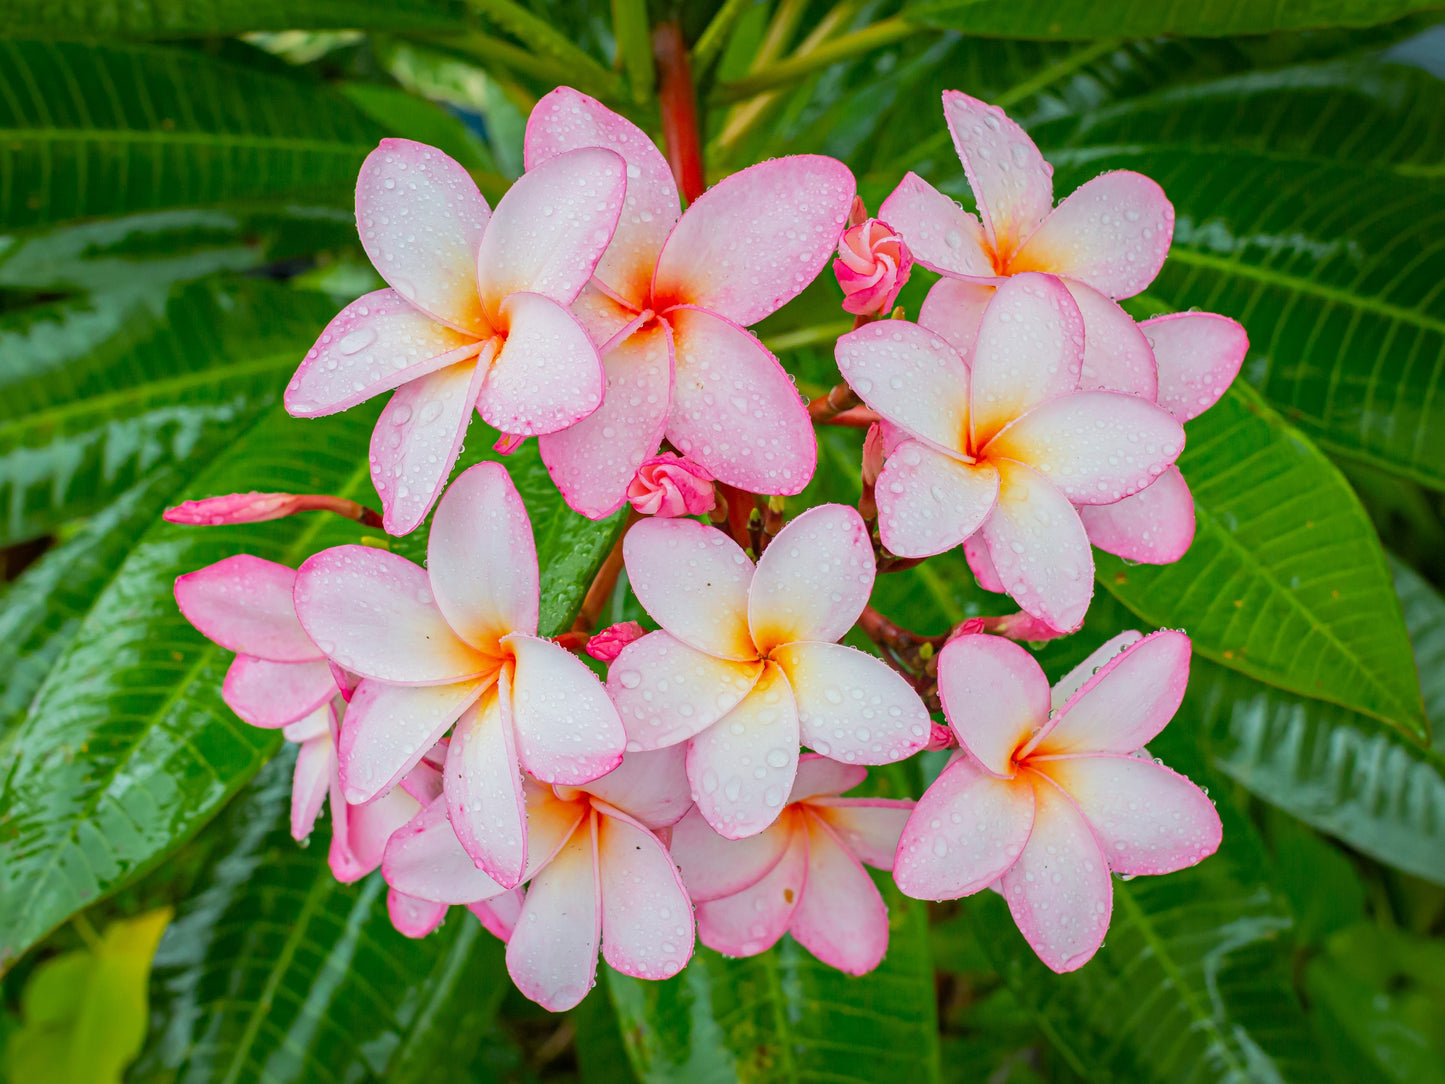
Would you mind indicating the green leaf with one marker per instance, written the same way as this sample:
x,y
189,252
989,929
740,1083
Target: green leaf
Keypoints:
x,y
1425,618
89,130
414,117
85,1011
276,971
1345,773
783,1016
193,18
1065,19
1192,985
166,387
1286,580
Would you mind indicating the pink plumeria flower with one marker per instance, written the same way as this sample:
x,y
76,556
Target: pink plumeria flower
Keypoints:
x,y
669,303
597,872
669,485
1107,240
456,643
873,264
475,313
746,665
1053,790
245,605
1002,443
608,644
804,875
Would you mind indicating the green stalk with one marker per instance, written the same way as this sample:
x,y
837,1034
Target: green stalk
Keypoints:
x,y
801,65
715,37
634,46
477,46
542,39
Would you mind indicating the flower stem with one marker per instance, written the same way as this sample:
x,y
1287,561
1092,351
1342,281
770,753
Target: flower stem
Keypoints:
x,y
801,65
678,100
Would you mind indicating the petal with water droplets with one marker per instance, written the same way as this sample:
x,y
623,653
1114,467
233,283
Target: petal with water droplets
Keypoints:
x,y
413,917
813,580
310,783
1074,680
1117,356
1155,526
841,918
647,924
547,374
425,859
421,221
869,827
751,921
1111,233
713,867
1011,182
1199,355
273,694
819,775
912,377
389,728
734,408
954,310
484,788
568,731
994,695
693,581
940,234
649,785
245,604
552,956
360,833
929,502
666,691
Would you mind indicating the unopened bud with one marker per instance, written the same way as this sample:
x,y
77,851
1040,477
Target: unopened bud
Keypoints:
x,y
873,264
608,644
669,485
259,507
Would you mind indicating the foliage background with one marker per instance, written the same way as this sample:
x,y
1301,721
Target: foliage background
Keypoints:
x,y
175,228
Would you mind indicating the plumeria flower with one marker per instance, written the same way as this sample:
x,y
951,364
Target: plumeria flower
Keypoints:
x,y
475,313
456,643
1053,790
670,301
746,665
244,604
669,485
1001,444
804,875
596,872
1107,240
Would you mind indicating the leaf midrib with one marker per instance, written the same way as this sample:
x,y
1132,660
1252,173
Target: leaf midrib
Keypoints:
x,y
150,136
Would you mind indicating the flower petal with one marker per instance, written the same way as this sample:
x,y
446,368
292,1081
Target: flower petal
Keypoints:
x,y
975,551
310,783
994,696
272,694
752,921
1038,545
1009,177
481,560
418,437
693,581
966,830
413,917
1095,447
499,914
1112,233
360,833
566,119
649,785
552,956
373,613
1122,707
647,925
912,377
667,692
929,502
1147,818
567,728
940,234
813,580
1117,356
425,859
1199,355
752,242
389,728
713,867
546,376
1030,349
551,228
245,604
421,221
954,310
742,767
869,827
1154,526
484,788
819,775
841,918
1059,889
734,409
376,343
1074,680
852,706
593,460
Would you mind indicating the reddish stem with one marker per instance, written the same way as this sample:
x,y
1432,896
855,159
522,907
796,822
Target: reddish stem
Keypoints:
x,y
678,99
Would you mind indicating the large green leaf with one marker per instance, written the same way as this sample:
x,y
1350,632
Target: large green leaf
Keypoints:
x,y
127,748
782,1016
1285,581
1079,19
89,130
274,971
191,18
167,387
1425,618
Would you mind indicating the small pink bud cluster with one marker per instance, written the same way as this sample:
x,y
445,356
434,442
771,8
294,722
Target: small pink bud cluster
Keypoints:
x,y
873,265
670,485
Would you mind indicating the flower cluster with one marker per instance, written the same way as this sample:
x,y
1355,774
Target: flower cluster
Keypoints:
x,y
701,791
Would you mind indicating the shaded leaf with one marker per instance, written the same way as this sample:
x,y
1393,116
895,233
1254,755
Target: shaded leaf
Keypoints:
x,y
187,18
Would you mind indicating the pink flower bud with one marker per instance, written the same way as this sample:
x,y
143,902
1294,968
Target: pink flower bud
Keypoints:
x,y
258,507
872,454
873,264
608,644
669,485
